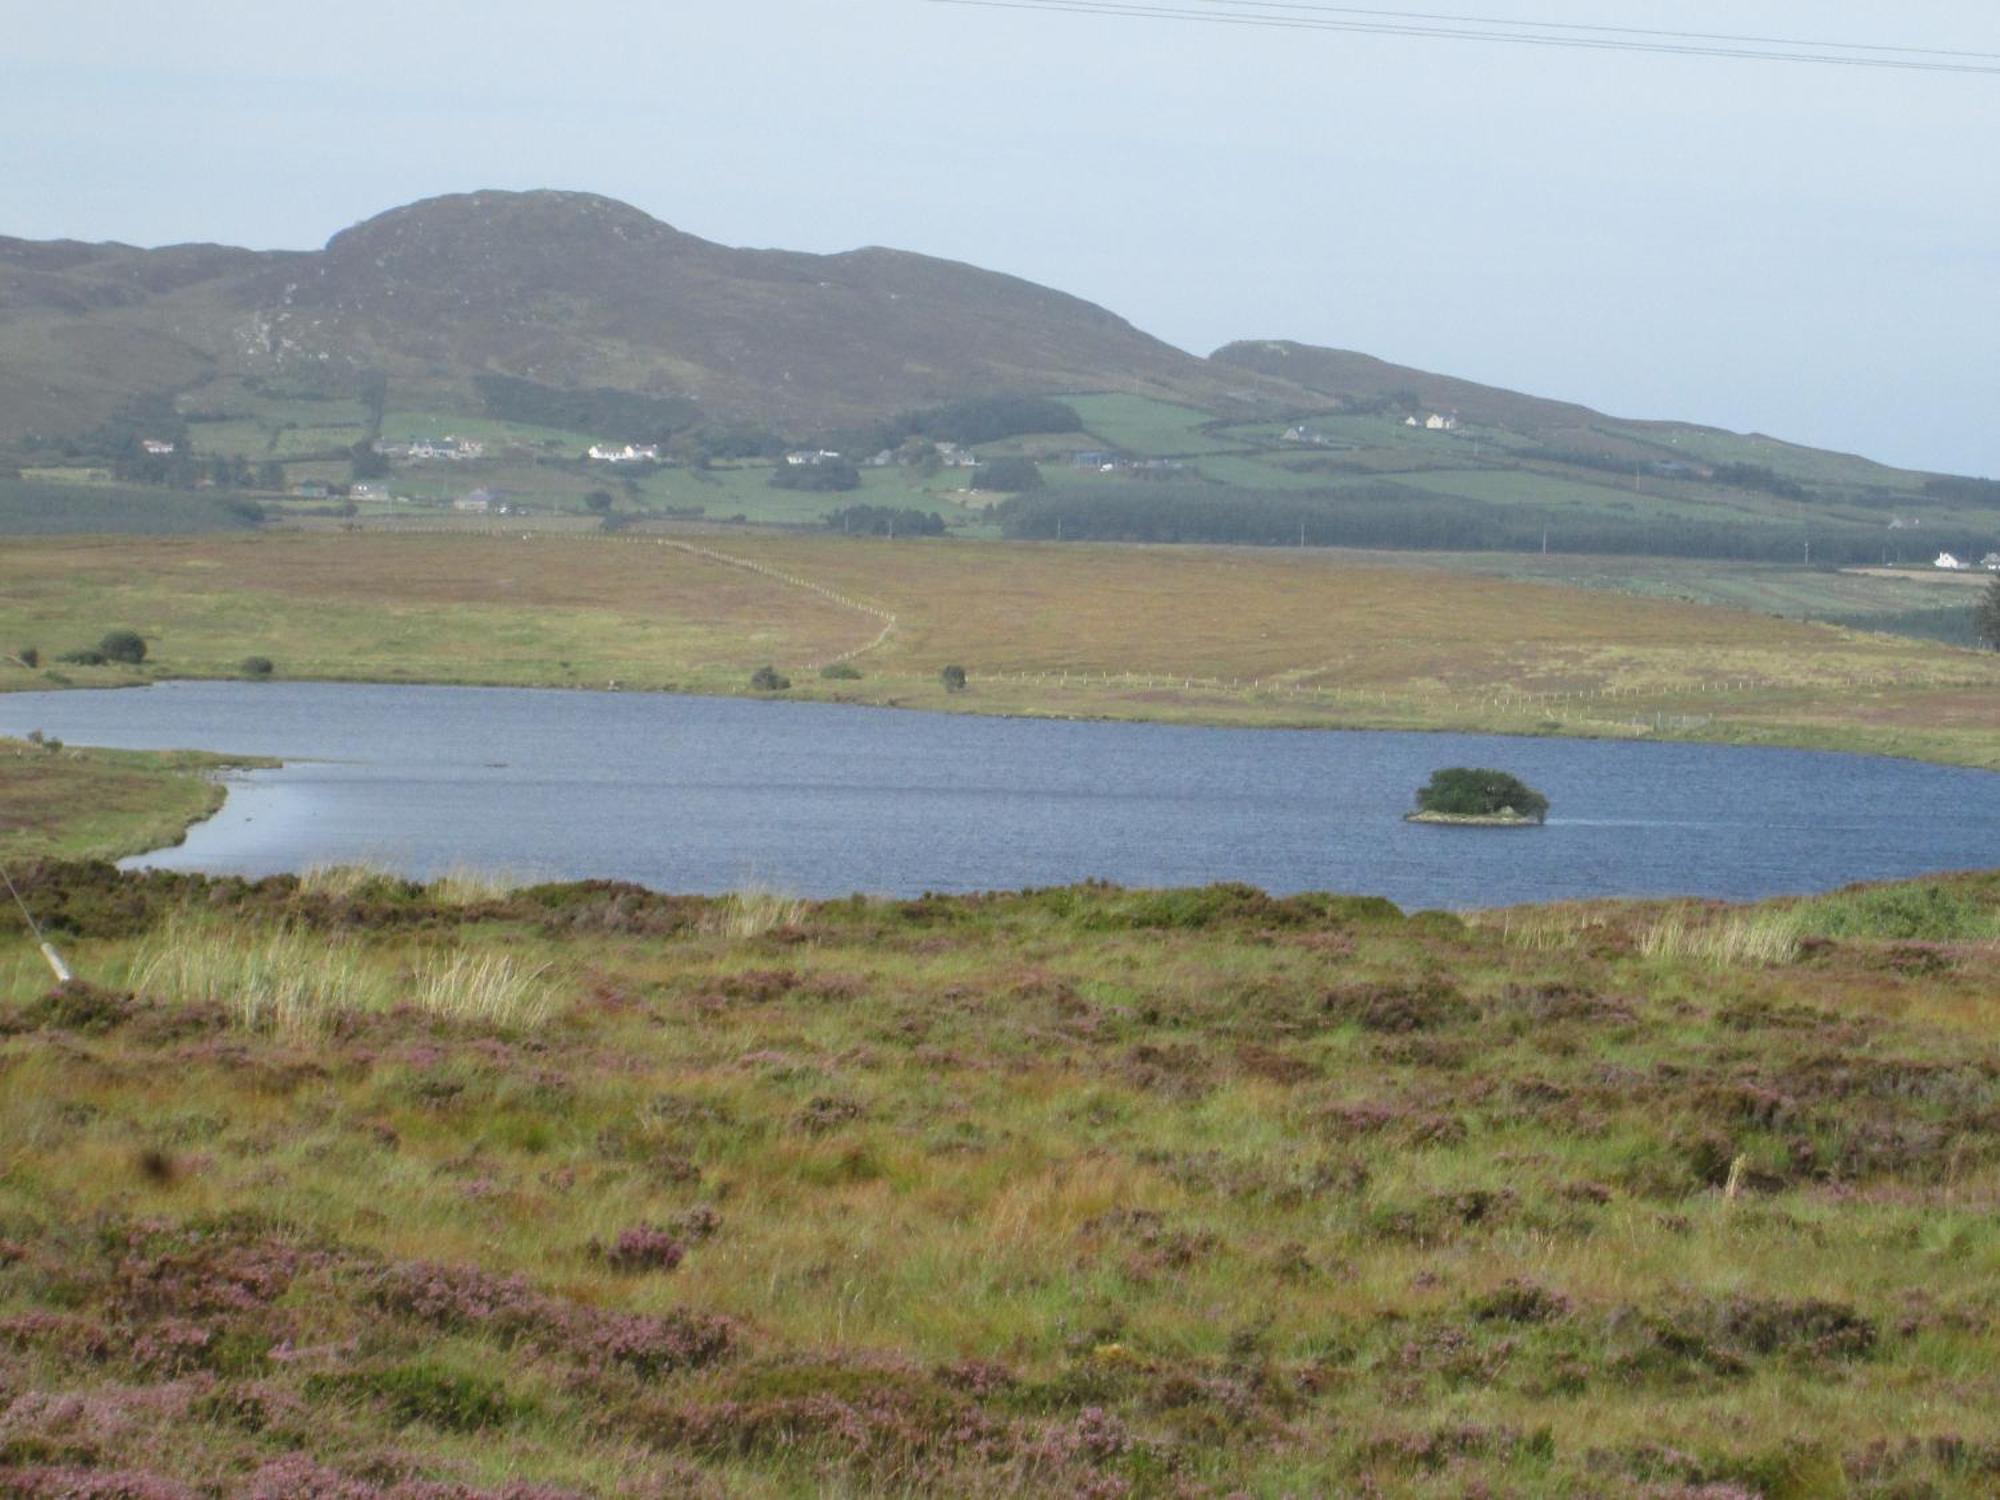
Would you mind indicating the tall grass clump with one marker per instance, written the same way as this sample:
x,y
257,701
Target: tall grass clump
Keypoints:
x,y
463,885
1550,929
754,911
282,981
1756,937
345,882
491,989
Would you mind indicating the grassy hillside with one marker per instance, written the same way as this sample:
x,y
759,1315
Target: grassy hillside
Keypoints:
x,y
571,289
341,1186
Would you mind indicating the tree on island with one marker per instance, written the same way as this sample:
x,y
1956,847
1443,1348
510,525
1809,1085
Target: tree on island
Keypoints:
x,y
1471,792
1986,618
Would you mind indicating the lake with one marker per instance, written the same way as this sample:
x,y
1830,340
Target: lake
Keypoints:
x,y
712,794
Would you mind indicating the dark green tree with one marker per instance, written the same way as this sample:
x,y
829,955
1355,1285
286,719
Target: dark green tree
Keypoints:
x,y
1474,792
767,679
953,678
123,645
1015,476
598,502
365,463
1986,618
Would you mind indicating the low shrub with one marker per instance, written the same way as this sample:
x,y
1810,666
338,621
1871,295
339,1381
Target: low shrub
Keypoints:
x,y
126,646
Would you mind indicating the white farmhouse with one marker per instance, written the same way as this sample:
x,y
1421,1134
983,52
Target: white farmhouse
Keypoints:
x,y
1949,563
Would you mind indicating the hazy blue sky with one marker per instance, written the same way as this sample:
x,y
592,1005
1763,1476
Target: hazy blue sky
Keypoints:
x,y
1813,252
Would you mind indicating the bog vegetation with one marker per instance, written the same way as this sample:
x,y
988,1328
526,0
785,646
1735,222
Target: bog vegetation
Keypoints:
x,y
342,1186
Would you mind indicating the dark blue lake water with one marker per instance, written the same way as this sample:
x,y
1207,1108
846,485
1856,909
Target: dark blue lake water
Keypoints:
x,y
703,794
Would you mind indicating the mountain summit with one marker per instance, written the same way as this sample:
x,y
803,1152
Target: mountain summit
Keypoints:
x,y
568,290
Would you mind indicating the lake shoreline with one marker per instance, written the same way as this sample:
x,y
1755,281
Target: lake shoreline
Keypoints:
x,y
968,704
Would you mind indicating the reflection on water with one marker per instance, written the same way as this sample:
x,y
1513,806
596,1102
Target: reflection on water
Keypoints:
x,y
699,794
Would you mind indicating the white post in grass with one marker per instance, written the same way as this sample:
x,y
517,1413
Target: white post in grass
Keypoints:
x,y
56,964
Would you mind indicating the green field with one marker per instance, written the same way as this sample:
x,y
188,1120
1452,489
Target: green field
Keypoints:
x,y
1146,428
330,1186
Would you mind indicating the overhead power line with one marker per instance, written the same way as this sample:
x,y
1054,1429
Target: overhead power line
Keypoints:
x,y
1588,28
1272,14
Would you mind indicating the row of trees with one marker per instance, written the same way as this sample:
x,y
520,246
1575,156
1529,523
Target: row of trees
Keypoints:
x,y
604,411
1986,618
985,419
1388,515
885,520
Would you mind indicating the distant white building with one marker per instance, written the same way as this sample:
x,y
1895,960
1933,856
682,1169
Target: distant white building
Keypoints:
x,y
1949,563
1436,422
628,453
811,457
156,447
421,450
1991,562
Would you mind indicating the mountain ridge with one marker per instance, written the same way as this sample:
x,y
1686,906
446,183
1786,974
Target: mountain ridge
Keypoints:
x,y
577,290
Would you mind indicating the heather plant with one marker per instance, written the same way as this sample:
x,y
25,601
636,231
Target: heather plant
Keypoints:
x,y
1080,1192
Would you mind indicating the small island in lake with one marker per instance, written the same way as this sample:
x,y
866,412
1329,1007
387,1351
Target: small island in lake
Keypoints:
x,y
1478,798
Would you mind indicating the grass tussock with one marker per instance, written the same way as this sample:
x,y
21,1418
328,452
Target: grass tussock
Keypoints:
x,y
1766,937
289,983
462,885
346,882
754,911
298,985
487,989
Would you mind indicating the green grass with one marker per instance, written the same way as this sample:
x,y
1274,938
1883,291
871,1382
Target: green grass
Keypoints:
x,y
1079,1191
1147,428
61,802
